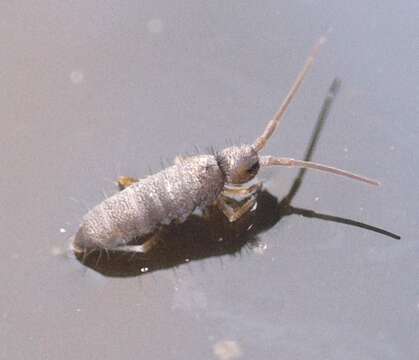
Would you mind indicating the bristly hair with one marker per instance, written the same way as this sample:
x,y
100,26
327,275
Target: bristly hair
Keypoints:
x,y
211,150
197,149
221,161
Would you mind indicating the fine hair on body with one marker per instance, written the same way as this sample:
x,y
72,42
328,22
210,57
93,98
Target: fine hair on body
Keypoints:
x,y
192,182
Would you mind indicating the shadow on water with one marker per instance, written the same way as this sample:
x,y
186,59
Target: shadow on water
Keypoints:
x,y
204,237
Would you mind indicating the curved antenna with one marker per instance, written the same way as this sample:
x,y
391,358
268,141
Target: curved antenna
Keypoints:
x,y
262,140
271,160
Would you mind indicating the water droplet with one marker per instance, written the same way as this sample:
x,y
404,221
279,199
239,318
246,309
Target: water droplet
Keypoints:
x,y
227,350
254,207
260,248
155,26
62,230
56,251
316,198
76,77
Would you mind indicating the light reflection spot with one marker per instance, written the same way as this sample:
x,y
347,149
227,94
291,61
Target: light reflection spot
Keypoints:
x,y
155,26
260,248
77,77
227,350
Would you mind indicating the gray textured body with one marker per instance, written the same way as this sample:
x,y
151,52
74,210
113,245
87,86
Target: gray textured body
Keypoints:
x,y
192,182
169,195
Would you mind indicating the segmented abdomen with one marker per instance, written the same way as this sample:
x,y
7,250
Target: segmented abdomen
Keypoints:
x,y
171,194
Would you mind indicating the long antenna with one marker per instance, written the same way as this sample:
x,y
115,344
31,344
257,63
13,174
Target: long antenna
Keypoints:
x,y
261,141
271,160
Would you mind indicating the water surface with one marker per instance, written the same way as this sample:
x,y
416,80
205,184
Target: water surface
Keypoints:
x,y
93,90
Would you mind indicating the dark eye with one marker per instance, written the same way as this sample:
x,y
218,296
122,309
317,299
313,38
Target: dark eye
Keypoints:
x,y
254,168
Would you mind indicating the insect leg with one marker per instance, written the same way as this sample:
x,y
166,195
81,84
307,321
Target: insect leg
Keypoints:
x,y
143,248
125,181
235,213
242,191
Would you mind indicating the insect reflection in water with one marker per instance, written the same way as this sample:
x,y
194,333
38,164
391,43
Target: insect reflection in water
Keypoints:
x,y
201,237
194,182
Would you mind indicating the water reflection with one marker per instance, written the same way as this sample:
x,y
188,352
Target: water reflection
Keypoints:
x,y
204,237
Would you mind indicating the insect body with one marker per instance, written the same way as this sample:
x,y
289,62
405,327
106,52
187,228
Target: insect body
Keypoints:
x,y
192,182
171,194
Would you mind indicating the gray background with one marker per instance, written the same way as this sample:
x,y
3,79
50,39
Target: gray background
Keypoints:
x,y
95,89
